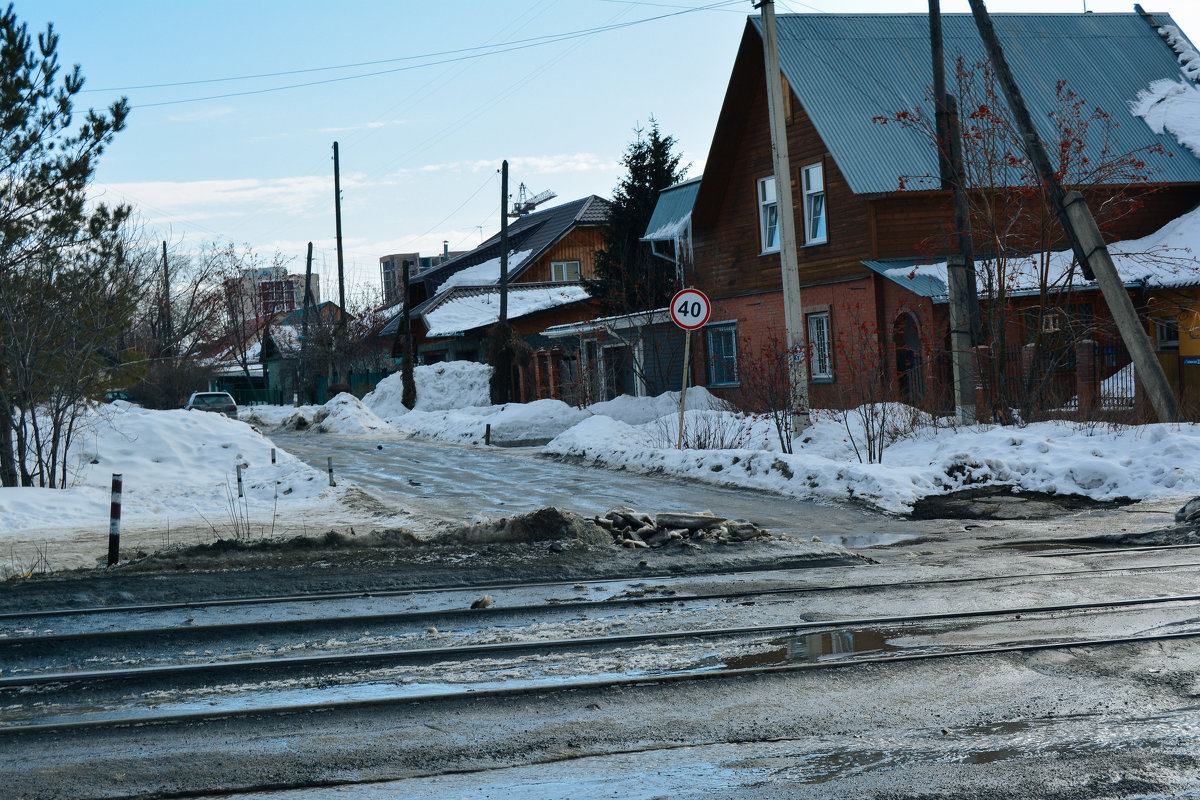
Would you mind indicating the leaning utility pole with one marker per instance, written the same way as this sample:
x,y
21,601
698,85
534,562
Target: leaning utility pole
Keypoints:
x,y
337,213
960,266
793,311
1082,231
504,242
408,393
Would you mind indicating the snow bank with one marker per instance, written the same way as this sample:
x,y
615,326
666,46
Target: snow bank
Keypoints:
x,y
346,414
175,465
452,384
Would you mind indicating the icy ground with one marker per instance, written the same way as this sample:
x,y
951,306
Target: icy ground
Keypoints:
x,y
180,468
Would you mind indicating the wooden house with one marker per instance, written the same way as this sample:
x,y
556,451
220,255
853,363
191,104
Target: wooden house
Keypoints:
x,y
868,206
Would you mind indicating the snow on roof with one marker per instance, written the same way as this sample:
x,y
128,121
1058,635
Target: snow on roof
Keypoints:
x,y
1189,59
1165,259
474,311
1172,107
487,273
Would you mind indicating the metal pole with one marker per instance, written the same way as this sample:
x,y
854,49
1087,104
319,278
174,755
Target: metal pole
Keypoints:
x,y
793,310
114,521
687,355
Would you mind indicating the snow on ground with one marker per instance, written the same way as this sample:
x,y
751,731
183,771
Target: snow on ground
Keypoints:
x,y
178,468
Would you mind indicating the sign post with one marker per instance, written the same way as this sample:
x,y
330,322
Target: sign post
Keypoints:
x,y
690,310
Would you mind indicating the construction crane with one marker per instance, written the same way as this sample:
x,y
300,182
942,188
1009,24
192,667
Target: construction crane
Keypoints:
x,y
524,203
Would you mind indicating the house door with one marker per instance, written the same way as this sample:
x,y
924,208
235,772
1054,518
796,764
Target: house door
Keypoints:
x,y
619,376
909,373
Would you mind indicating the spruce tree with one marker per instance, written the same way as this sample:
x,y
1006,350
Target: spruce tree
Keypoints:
x,y
628,278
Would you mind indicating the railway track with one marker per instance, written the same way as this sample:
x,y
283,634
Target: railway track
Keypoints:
x,y
112,698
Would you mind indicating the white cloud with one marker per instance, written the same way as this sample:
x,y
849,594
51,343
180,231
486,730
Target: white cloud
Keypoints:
x,y
529,165
368,126
211,113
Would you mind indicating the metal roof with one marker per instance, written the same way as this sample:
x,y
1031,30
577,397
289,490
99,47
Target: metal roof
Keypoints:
x,y
672,211
920,284
846,69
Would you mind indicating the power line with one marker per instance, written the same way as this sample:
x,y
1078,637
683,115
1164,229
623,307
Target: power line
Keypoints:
x,y
509,47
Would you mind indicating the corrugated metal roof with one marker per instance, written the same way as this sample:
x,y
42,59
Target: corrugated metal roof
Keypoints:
x,y
920,284
847,69
672,210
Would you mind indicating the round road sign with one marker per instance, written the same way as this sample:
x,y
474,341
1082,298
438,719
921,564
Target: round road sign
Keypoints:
x,y
690,309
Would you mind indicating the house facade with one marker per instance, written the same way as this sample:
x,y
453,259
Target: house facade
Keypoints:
x,y
869,210
550,253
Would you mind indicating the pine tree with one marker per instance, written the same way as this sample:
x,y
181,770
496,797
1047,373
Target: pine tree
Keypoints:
x,y
628,278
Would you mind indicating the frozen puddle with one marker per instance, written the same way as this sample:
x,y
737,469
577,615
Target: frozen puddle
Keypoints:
x,y
862,541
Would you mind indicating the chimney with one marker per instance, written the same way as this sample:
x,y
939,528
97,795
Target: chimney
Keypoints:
x,y
445,249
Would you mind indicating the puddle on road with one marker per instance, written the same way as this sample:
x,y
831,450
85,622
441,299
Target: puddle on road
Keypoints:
x,y
863,541
811,647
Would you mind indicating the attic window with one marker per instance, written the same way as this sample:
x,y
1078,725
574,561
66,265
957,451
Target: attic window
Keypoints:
x,y
564,271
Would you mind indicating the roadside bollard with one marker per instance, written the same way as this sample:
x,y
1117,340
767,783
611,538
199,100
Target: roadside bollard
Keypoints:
x,y
272,455
487,435
239,474
329,462
114,521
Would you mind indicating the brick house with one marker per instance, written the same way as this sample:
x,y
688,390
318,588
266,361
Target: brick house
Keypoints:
x,y
868,215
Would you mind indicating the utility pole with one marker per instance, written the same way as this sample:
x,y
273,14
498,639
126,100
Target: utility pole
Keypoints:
x,y
793,311
960,266
337,213
1082,231
168,334
303,377
408,395
504,242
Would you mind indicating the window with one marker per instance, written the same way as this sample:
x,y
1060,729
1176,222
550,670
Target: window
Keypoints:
x,y
564,271
820,365
1167,333
722,354
768,215
814,204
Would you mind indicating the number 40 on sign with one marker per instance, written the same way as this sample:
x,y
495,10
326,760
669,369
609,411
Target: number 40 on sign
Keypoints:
x,y
689,310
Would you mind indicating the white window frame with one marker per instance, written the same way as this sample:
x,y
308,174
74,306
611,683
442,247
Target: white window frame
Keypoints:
x,y
728,361
1166,334
814,189
820,346
558,271
765,208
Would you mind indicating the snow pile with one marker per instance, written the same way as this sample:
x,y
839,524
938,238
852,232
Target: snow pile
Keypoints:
x,y
346,414
176,465
452,384
514,423
1173,107
1057,457
637,410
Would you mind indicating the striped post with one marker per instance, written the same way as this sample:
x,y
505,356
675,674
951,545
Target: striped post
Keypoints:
x,y
329,464
114,521
272,455
241,494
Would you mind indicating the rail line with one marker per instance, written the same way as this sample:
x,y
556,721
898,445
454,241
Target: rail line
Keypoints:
x,y
417,617
560,686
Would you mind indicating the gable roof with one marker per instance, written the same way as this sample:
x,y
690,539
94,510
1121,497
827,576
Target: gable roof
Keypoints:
x,y
533,233
846,69
466,308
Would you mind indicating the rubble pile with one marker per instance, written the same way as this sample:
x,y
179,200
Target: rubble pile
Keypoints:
x,y
631,528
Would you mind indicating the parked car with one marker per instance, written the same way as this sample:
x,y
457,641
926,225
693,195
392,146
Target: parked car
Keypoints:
x,y
213,401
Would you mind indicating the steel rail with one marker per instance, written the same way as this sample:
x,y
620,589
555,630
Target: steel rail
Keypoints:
x,y
558,687
452,612
434,654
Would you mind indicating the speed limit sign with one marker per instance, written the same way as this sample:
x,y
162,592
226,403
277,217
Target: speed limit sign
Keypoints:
x,y
690,309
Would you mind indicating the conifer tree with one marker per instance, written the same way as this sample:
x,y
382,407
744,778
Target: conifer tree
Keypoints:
x,y
628,278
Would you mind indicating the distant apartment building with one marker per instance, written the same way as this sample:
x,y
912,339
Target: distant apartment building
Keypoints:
x,y
391,270
270,290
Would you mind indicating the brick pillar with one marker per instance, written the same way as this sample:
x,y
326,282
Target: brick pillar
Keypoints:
x,y
1087,384
983,377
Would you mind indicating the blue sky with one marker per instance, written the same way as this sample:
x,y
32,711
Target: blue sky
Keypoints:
x,y
421,145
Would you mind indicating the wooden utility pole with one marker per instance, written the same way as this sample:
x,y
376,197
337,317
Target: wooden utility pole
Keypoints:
x,y
1082,231
303,377
337,213
167,334
793,310
960,266
408,395
504,242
